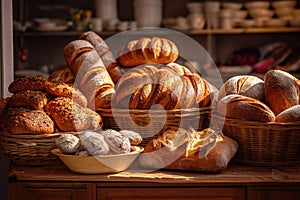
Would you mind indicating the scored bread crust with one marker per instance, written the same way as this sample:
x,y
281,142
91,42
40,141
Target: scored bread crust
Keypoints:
x,y
22,120
64,75
148,51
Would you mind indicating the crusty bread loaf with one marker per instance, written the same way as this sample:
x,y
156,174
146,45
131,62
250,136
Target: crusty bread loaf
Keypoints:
x,y
28,83
69,116
66,90
148,51
206,150
28,98
247,85
23,120
161,86
281,90
244,108
62,75
105,54
291,114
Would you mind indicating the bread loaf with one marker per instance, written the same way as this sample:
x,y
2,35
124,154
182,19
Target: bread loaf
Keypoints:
x,y
291,114
105,54
205,150
249,86
244,108
148,51
28,98
91,74
64,75
28,83
23,120
281,90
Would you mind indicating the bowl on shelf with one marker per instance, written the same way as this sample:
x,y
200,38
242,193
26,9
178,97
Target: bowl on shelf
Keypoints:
x,y
257,5
255,13
98,164
276,22
284,4
246,23
284,11
232,5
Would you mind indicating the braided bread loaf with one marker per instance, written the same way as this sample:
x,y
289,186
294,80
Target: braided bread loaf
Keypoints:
x,y
163,86
148,51
91,74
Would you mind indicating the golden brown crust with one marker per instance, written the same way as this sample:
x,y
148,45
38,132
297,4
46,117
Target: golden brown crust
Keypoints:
x,y
70,116
148,51
28,83
62,75
3,105
23,120
28,98
245,108
281,84
291,114
66,90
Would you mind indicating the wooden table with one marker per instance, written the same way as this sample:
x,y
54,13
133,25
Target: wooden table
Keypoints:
x,y
236,182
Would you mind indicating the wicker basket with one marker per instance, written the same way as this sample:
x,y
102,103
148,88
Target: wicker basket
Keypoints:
x,y
30,149
264,144
151,122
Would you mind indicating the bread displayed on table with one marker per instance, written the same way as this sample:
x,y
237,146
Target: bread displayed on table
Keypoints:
x,y
62,75
291,114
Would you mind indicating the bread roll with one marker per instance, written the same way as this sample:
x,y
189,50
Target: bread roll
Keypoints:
x,y
148,51
250,86
244,108
23,120
94,143
28,98
281,90
28,83
291,114
134,137
64,75
105,54
116,141
68,143
71,117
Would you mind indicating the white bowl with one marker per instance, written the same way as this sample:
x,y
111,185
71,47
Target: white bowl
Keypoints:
x,y
284,11
257,4
276,22
195,7
98,164
255,13
247,23
232,5
284,4
241,14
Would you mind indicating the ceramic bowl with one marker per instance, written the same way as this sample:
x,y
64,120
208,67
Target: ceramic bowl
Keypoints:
x,y
284,4
257,5
255,13
232,5
98,164
284,11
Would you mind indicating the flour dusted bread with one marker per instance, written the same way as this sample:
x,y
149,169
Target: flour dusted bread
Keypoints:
x,y
148,51
94,143
250,86
23,120
68,143
28,83
62,75
244,108
28,98
117,142
281,90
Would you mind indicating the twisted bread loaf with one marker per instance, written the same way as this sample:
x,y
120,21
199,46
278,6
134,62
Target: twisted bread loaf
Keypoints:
x,y
105,54
148,51
162,86
91,74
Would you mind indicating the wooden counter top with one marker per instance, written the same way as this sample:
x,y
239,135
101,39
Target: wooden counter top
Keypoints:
x,y
233,175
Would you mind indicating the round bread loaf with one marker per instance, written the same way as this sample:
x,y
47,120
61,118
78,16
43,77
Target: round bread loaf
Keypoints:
x,y
71,117
28,83
28,98
244,108
250,86
291,114
62,75
23,120
281,90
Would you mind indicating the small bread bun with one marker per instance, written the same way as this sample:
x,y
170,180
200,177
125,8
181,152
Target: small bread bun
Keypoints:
x,y
250,86
28,98
281,90
62,75
244,108
291,114
28,83
23,120
117,142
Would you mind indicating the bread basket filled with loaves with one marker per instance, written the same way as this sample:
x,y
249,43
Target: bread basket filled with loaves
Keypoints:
x,y
263,116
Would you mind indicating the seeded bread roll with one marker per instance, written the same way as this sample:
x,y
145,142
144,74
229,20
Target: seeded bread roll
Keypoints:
x,y
71,117
281,90
249,86
244,108
23,120
291,114
148,51
62,75
28,83
28,98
